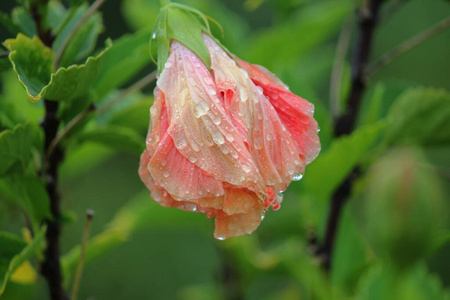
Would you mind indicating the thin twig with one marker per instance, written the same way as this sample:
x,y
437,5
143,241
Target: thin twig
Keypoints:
x,y
83,115
338,66
92,9
84,241
408,46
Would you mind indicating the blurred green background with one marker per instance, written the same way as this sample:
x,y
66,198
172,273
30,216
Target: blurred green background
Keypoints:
x,y
149,252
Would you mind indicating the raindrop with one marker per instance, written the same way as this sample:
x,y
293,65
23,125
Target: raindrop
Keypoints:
x,y
246,167
218,138
201,109
168,65
208,80
166,174
180,143
229,137
217,120
297,177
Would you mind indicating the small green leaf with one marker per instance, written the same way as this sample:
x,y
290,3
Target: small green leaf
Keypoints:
x,y
66,84
14,252
24,21
29,192
178,23
420,116
127,56
15,148
117,137
84,40
135,116
32,62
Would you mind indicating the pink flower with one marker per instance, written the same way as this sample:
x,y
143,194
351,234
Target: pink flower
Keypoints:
x,y
225,142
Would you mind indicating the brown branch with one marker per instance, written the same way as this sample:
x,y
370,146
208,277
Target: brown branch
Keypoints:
x,y
345,123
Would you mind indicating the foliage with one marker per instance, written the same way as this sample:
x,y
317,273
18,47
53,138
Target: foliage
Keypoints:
x,y
393,235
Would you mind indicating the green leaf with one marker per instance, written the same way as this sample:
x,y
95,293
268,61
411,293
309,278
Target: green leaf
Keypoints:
x,y
330,168
135,116
14,252
74,81
127,56
420,116
15,148
32,62
84,40
24,21
66,84
383,282
308,27
175,23
29,192
117,137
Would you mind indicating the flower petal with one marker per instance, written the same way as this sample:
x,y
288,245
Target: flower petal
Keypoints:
x,y
199,126
241,223
295,112
271,145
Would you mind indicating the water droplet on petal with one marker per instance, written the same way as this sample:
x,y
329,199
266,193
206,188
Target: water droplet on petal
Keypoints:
x,y
166,174
201,109
246,167
218,138
297,177
208,80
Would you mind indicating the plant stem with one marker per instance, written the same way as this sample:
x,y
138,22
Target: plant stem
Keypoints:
x,y
51,267
408,46
345,123
84,241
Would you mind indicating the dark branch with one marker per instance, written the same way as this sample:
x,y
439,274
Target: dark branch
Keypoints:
x,y
345,123
51,265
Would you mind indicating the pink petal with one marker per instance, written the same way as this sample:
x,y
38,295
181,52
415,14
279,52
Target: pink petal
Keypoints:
x,y
240,223
295,112
271,145
199,125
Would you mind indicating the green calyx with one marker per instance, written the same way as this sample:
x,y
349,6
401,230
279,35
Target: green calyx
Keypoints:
x,y
183,24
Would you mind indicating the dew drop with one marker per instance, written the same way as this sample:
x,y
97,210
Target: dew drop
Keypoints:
x,y
208,80
168,65
201,109
229,137
217,120
297,177
180,143
166,174
246,167
218,138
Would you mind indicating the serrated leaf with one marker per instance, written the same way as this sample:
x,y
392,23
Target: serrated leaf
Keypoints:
x,y
15,148
116,137
74,81
24,21
29,193
420,116
14,252
127,56
32,62
84,40
330,168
